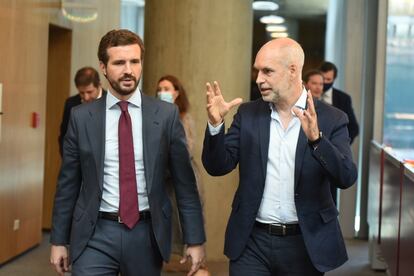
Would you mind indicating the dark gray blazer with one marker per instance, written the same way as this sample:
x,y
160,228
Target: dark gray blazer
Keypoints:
x,y
246,144
79,189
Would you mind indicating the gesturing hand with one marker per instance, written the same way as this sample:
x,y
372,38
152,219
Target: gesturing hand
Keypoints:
x,y
217,107
308,119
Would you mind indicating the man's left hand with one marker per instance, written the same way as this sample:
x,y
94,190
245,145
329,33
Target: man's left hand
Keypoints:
x,y
197,254
308,119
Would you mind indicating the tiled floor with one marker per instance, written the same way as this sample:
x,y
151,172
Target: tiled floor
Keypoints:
x,y
36,263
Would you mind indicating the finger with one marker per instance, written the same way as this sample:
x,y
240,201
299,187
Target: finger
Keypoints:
x,y
58,267
311,106
235,102
217,91
183,259
194,268
299,113
209,92
65,264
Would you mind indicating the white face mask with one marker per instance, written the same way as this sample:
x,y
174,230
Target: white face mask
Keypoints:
x,y
166,96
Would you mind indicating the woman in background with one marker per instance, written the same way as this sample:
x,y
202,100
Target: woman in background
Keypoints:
x,y
171,90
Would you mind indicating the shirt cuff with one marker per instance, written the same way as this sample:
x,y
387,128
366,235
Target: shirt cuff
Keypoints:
x,y
214,130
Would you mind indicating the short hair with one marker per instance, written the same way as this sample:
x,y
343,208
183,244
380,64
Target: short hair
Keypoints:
x,y
328,66
114,38
181,101
311,73
87,75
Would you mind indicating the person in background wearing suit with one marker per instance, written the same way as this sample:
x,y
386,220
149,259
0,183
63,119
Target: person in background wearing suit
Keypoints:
x,y
111,204
313,82
338,98
88,84
283,219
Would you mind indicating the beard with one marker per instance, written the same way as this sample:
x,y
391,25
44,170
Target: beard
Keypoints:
x,y
121,89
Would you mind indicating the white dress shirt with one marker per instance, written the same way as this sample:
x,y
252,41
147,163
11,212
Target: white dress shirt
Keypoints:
x,y
110,196
327,96
278,203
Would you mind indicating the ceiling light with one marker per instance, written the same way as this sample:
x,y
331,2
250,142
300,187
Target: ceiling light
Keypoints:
x,y
276,28
264,6
279,35
272,19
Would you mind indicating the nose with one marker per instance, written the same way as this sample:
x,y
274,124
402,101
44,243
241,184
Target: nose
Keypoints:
x,y
87,98
259,78
128,69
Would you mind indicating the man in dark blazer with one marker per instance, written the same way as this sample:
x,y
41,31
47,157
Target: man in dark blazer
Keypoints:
x,y
283,220
338,98
111,204
88,84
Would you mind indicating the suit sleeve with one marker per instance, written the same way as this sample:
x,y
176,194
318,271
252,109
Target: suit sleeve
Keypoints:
x,y
64,126
353,127
188,201
334,154
221,152
68,186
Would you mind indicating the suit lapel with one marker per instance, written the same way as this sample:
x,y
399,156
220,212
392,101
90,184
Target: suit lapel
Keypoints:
x,y
95,131
334,97
151,128
300,154
264,133
301,148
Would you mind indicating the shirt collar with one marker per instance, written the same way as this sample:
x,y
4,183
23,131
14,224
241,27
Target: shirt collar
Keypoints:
x,y
135,99
300,103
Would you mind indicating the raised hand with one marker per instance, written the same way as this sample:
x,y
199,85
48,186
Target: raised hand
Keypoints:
x,y
308,119
217,107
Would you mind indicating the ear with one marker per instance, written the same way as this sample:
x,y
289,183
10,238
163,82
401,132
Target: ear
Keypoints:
x,y
102,67
293,70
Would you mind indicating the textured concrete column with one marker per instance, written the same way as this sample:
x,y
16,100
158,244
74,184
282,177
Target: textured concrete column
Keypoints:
x,y
200,41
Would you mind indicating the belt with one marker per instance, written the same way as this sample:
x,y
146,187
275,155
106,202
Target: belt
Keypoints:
x,y
280,229
143,215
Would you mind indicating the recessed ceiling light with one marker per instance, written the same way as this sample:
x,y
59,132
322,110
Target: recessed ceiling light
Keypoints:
x,y
279,35
272,19
264,6
276,28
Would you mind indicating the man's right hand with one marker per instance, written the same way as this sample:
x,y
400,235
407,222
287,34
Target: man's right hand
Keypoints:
x,y
217,107
59,259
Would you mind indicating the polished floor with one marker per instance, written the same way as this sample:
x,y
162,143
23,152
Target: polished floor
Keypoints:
x,y
36,263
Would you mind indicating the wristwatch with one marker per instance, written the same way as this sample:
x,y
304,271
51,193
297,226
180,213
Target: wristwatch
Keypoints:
x,y
315,144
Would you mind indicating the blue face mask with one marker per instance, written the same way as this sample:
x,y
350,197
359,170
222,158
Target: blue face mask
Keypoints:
x,y
166,96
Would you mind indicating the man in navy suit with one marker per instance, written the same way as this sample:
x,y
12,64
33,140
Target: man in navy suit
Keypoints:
x,y
338,98
88,84
283,219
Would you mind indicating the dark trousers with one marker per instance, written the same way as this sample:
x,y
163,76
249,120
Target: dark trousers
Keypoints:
x,y
114,249
270,255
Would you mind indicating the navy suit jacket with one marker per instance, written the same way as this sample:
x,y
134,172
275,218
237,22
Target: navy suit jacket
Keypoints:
x,y
80,184
247,143
343,101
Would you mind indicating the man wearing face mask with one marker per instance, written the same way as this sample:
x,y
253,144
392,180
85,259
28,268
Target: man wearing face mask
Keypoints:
x,y
338,98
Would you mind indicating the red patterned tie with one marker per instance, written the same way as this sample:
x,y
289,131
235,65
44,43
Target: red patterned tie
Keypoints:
x,y
128,201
